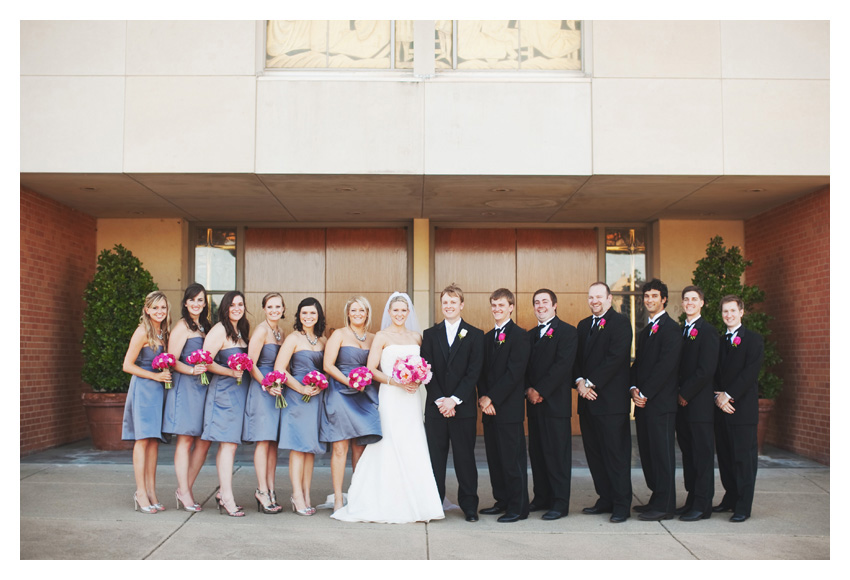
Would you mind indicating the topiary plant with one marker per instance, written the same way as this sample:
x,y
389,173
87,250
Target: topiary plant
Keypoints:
x,y
718,274
114,300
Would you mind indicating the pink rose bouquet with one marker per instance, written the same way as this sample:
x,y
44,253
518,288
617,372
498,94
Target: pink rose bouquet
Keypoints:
x,y
360,378
200,357
275,379
163,362
240,362
314,378
412,369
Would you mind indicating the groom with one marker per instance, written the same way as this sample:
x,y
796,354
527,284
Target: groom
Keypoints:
x,y
455,350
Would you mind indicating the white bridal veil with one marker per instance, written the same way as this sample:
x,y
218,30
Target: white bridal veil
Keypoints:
x,y
412,322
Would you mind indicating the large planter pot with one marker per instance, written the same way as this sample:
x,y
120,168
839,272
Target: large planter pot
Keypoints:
x,y
105,413
765,409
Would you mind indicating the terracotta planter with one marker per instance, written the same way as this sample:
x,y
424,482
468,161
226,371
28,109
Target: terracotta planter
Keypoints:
x,y
765,409
105,412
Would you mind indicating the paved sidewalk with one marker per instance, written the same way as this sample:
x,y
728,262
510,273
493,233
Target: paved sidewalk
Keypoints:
x,y
76,503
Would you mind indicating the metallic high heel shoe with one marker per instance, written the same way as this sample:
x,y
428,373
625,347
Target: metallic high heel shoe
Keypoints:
x,y
270,509
189,508
218,502
305,512
237,513
144,509
159,507
273,499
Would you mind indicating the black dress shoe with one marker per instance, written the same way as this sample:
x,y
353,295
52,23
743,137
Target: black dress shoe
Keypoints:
x,y
593,510
553,515
694,515
509,518
641,508
534,507
721,508
655,516
471,517
492,511
617,519
738,518
684,509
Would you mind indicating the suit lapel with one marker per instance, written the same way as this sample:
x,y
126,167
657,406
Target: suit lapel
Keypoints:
x,y
442,340
456,344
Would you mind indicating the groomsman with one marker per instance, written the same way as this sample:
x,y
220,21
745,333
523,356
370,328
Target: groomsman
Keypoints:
x,y
654,392
737,414
601,374
455,350
548,392
695,418
501,396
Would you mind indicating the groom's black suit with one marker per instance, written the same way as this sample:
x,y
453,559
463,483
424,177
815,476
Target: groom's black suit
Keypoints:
x,y
455,373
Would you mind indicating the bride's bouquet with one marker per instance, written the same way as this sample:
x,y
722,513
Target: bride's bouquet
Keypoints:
x,y
412,369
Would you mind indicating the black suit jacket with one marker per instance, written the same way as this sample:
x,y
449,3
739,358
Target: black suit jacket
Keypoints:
x,y
503,375
655,370
455,370
697,365
737,374
550,369
604,359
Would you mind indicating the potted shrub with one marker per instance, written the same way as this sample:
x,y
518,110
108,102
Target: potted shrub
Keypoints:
x,y
114,300
718,274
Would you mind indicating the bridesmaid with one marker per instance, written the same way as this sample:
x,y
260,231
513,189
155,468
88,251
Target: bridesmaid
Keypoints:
x,y
225,404
143,409
184,403
262,419
349,416
302,352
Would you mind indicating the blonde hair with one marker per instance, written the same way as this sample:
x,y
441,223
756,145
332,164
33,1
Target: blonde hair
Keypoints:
x,y
452,290
397,298
362,301
146,322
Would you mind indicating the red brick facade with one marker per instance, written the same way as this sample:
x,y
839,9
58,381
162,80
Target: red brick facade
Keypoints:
x,y
58,253
789,247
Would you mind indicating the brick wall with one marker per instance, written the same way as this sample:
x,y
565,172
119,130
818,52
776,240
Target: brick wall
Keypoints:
x,y
57,261
789,247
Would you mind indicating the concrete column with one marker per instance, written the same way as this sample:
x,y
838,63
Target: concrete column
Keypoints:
x,y
422,295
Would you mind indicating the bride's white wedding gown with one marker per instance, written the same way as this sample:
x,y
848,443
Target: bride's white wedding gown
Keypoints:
x,y
393,482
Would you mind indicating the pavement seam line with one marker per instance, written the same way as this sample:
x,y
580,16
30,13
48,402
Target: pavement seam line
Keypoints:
x,y
35,473
672,535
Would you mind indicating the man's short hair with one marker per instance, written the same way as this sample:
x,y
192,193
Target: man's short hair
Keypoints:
x,y
656,284
696,289
452,290
503,293
545,291
731,298
601,283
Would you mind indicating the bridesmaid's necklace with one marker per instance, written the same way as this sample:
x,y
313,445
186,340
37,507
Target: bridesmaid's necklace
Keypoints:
x,y
160,334
357,337
275,333
312,342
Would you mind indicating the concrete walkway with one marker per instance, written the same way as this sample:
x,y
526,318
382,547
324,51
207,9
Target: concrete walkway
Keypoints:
x,y
791,518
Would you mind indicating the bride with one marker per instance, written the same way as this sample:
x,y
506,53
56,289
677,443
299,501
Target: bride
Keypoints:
x,y
393,482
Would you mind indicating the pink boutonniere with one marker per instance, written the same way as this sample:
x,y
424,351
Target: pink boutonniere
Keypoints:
x,y
501,338
736,341
693,334
549,333
654,328
601,324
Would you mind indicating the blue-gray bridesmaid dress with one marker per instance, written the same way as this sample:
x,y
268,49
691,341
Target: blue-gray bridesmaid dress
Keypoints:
x,y
225,407
299,422
262,419
145,399
350,416
184,402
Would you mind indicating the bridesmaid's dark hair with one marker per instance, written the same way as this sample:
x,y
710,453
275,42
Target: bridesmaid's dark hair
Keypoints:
x,y
319,329
204,319
243,326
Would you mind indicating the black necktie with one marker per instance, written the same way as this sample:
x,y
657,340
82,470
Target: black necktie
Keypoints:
x,y
593,326
729,338
496,334
687,330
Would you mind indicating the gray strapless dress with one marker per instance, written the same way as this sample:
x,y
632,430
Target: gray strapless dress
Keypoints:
x,y
224,410
299,422
350,416
184,402
145,399
262,420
